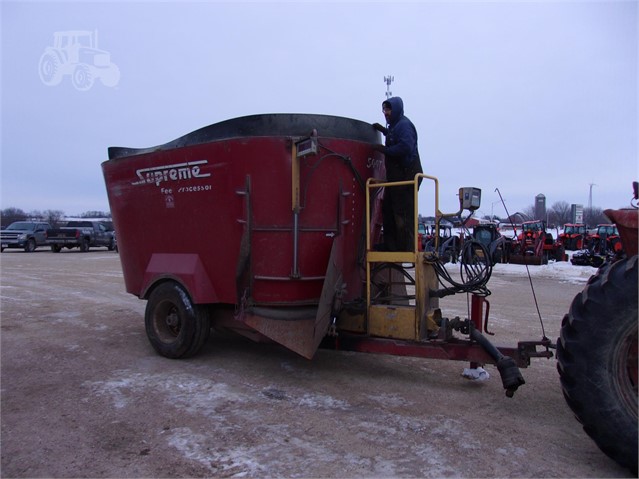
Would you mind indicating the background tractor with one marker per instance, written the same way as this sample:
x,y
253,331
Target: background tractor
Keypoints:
x,y
76,53
606,240
498,246
534,245
445,243
597,349
574,236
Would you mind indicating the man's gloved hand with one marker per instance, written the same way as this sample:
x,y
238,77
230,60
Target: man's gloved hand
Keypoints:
x,y
379,128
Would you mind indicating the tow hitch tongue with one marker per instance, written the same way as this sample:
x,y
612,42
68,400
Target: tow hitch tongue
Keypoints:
x,y
511,377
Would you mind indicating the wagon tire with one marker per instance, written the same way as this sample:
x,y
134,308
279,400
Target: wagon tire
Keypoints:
x,y
597,360
84,245
176,327
56,248
30,245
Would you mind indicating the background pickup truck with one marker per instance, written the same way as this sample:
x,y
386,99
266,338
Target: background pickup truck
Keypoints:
x,y
80,234
27,235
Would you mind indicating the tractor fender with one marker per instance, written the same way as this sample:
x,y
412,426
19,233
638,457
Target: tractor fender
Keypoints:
x,y
184,268
627,221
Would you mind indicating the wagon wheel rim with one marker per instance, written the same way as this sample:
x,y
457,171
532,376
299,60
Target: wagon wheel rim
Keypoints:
x,y
167,322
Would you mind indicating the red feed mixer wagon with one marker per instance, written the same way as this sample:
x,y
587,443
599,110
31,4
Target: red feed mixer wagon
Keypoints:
x,y
242,216
264,225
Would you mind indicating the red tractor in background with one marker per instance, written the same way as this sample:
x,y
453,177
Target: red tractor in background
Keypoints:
x,y
604,244
535,246
605,240
574,237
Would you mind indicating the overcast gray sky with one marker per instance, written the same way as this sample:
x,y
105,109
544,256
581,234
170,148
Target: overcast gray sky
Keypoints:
x,y
528,97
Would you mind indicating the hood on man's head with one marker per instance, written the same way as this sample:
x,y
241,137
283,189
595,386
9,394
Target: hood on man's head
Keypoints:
x,y
397,107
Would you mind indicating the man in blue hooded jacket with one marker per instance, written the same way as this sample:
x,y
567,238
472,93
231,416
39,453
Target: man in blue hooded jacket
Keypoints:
x,y
402,163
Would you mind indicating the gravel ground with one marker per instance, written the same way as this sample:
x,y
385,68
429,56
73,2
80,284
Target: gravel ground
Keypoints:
x,y
83,394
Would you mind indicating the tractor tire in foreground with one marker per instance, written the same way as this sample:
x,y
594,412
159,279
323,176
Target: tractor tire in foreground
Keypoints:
x,y
597,360
175,326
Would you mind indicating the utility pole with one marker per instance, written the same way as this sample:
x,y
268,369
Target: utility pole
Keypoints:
x,y
590,197
388,80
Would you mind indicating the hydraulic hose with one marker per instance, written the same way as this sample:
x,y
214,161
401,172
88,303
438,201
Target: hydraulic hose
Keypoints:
x,y
511,377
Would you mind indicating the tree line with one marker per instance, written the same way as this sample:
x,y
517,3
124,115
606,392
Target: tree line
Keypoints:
x,y
557,215
53,217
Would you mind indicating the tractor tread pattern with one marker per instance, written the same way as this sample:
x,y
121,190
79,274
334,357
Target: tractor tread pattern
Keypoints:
x,y
585,352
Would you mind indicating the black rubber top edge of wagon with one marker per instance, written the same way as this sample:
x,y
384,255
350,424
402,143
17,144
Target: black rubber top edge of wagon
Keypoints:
x,y
273,124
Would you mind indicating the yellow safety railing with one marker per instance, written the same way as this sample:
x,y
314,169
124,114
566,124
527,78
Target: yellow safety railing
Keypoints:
x,y
373,183
397,256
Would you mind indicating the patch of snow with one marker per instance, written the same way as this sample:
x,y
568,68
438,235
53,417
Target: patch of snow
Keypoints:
x,y
389,400
512,451
187,392
319,401
561,270
235,462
